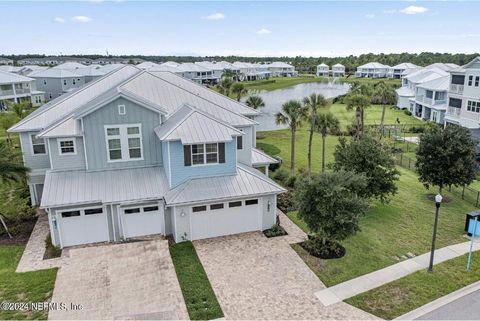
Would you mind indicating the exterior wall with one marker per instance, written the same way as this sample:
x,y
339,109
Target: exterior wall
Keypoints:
x,y
67,162
269,213
30,160
181,173
79,81
244,155
53,87
95,141
403,102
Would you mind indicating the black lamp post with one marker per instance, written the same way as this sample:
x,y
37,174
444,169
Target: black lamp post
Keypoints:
x,y
438,201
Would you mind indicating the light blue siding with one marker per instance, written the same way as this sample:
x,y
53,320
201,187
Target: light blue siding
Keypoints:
x,y
181,173
63,162
94,134
33,161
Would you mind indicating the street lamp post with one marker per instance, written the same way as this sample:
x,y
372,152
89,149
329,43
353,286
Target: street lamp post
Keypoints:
x,y
438,201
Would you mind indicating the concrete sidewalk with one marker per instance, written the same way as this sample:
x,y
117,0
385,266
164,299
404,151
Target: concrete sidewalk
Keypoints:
x,y
391,273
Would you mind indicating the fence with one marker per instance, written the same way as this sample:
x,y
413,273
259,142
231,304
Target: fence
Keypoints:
x,y
467,193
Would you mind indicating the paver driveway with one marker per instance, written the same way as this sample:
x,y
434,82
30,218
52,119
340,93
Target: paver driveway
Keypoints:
x,y
120,281
259,278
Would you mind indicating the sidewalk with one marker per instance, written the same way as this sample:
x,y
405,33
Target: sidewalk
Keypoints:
x,y
391,273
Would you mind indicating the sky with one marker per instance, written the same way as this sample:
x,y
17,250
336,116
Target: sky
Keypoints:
x,y
272,28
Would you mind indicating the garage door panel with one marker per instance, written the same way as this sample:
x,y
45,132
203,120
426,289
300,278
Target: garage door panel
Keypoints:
x,y
144,222
78,228
226,221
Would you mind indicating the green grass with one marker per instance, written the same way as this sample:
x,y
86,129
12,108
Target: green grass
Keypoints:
x,y
23,287
408,293
199,297
394,229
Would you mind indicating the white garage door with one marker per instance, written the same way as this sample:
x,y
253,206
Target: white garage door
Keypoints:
x,y
228,218
140,221
82,226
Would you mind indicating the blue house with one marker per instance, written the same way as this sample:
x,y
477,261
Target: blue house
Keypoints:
x,y
138,153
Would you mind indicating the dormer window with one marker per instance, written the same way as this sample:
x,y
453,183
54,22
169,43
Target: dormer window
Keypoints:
x,y
121,110
204,154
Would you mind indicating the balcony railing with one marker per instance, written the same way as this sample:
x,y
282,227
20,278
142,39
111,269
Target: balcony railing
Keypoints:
x,y
6,92
452,111
456,88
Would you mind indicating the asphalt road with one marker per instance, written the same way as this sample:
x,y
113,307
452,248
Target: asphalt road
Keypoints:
x,y
464,308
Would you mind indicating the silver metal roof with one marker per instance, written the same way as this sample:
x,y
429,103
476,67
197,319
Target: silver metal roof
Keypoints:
x,y
191,126
247,182
55,73
260,158
125,185
11,78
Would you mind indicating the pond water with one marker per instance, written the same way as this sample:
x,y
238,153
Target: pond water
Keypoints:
x,y
275,98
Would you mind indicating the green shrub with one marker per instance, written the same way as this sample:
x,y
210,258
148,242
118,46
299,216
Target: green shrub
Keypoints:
x,y
286,201
281,176
275,230
407,112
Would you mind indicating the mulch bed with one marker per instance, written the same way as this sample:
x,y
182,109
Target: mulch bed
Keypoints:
x,y
280,231
332,250
20,232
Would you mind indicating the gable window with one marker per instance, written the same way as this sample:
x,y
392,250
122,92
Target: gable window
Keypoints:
x,y
38,146
124,142
470,80
477,81
66,146
121,110
65,82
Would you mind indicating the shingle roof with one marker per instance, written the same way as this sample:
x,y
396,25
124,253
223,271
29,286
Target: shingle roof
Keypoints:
x,y
10,78
191,126
247,182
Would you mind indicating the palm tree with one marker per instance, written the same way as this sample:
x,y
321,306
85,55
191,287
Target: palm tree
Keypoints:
x,y
326,123
386,94
224,86
239,90
11,169
359,103
255,102
21,109
312,104
291,114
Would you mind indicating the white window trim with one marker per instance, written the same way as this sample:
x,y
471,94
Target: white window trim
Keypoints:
x,y
124,142
122,110
204,155
31,146
59,140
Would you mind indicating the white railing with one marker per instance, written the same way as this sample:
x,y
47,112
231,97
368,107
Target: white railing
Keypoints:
x,y
452,111
456,88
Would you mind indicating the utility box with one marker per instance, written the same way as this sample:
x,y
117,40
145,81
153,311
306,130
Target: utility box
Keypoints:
x,y
470,223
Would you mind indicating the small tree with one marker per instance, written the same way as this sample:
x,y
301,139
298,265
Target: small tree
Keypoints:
x,y
370,157
331,205
224,86
359,103
445,157
239,90
255,102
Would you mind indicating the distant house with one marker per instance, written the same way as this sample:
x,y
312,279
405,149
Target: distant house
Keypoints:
x,y
217,69
372,70
249,71
16,88
338,70
55,82
281,69
323,70
6,61
396,71
147,65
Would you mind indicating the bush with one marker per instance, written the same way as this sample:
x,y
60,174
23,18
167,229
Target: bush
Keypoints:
x,y
407,112
281,176
324,250
417,129
273,167
286,202
275,230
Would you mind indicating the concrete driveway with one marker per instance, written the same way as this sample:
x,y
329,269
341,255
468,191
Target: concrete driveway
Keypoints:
x,y
259,278
119,281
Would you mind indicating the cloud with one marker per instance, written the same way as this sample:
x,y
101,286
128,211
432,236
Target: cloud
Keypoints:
x,y
81,19
414,10
59,20
215,16
263,31
370,15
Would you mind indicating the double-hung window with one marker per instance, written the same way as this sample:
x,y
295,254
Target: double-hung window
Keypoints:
x,y
470,80
124,142
38,146
66,146
204,154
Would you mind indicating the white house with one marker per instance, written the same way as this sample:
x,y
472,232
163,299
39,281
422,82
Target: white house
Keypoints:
x,y
372,70
6,61
338,70
397,71
16,88
281,69
323,70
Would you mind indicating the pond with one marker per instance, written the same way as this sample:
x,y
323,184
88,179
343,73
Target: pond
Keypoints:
x,y
275,98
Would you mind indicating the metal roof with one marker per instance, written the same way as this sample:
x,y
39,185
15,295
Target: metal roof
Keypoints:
x,y
438,84
11,78
338,65
70,65
147,65
404,65
247,182
260,158
374,65
65,128
54,73
69,188
405,91
279,64
191,126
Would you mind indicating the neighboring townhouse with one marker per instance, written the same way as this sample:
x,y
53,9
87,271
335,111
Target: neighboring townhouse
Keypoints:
x,y
147,65
8,68
372,70
430,101
6,61
323,70
397,71
217,69
28,69
55,82
281,69
338,70
198,73
16,88
137,153
464,96
248,71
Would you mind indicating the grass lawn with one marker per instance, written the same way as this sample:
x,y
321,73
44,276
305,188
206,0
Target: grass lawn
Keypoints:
x,y
23,287
408,293
404,225
199,297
